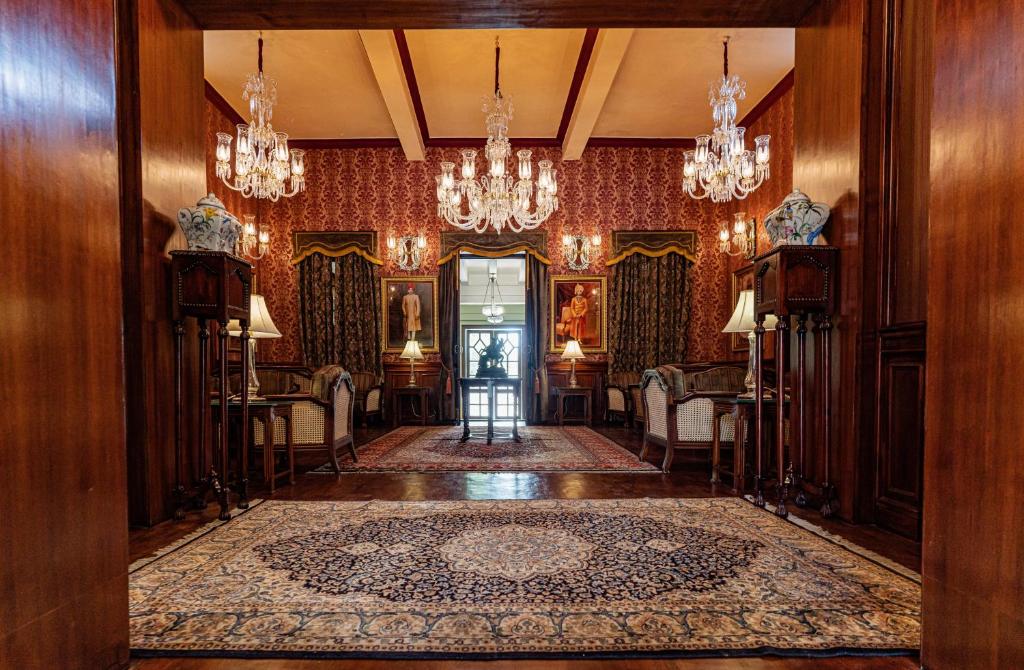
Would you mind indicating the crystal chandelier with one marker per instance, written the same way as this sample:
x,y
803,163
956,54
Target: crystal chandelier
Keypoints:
x,y
262,165
721,166
493,309
496,199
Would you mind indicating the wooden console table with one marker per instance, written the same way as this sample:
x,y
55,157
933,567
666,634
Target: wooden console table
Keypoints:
x,y
491,385
563,393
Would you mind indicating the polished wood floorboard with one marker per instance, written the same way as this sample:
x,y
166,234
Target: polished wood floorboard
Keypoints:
x,y
688,480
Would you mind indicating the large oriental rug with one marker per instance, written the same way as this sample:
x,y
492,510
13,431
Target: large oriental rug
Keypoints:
x,y
543,448
517,579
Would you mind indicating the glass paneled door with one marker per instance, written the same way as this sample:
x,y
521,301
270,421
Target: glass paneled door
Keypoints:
x,y
475,340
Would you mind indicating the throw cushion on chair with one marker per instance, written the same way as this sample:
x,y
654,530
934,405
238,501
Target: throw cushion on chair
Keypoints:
x,y
323,381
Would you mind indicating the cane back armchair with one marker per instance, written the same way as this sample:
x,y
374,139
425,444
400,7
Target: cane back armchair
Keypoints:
x,y
678,406
321,415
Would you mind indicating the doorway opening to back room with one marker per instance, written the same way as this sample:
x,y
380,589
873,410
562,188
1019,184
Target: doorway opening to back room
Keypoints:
x,y
492,304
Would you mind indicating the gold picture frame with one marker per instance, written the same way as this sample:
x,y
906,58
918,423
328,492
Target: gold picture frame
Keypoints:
x,y
743,279
392,337
594,336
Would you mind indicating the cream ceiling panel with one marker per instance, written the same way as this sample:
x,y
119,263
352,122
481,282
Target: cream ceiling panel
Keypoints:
x,y
455,73
325,87
661,88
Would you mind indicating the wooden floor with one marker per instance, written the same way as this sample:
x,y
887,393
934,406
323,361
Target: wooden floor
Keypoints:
x,y
686,481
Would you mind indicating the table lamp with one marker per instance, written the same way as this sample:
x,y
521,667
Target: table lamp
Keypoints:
x,y
261,327
412,353
572,353
742,321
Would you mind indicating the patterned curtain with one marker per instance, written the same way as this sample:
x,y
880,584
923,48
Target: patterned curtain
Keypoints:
x,y
339,303
448,296
649,312
536,340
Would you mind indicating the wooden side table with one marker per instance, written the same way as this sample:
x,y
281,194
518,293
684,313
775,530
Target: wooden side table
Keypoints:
x,y
563,393
420,393
265,411
743,412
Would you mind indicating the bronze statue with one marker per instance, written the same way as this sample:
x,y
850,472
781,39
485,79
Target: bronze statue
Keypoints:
x,y
491,359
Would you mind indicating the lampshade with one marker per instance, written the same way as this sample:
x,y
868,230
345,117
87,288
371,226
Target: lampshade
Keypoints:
x,y
412,351
742,320
261,326
572,351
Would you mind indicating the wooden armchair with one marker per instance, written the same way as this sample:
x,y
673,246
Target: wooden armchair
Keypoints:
x,y
618,394
678,407
369,396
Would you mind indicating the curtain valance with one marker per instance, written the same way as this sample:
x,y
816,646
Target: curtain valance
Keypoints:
x,y
334,244
491,245
653,244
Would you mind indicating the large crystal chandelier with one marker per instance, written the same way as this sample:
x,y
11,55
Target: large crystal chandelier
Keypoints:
x,y
496,199
263,163
721,166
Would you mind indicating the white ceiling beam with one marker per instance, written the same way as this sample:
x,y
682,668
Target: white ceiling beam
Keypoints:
x,y
386,63
609,50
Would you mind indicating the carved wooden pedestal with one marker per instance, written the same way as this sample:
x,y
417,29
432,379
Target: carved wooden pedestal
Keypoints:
x,y
795,281
208,285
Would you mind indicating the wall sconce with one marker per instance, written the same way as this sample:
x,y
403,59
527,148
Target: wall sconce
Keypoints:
x,y
741,240
255,240
407,251
578,250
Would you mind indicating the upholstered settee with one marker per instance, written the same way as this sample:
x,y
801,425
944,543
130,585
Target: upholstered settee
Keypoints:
x,y
621,395
322,410
369,396
678,406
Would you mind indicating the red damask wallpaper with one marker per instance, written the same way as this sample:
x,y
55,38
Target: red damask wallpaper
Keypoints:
x,y
610,188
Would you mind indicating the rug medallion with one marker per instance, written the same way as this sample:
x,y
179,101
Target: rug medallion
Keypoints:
x,y
517,578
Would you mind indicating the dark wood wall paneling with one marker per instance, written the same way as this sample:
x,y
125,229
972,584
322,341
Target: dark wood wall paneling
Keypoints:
x,y
827,120
895,225
589,374
860,125
164,159
63,536
973,551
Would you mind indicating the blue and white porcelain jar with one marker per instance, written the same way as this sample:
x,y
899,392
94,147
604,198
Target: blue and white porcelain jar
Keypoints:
x,y
796,221
208,226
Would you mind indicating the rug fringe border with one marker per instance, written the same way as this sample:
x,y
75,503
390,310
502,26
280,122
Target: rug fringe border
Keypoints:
x,y
852,547
140,563
511,656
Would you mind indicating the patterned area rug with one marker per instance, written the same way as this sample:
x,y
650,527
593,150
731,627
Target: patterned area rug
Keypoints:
x,y
483,579
543,448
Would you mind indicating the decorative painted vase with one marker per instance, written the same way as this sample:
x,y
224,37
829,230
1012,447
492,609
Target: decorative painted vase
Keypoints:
x,y
208,226
796,221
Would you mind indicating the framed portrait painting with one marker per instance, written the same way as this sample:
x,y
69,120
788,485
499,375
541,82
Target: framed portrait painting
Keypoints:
x,y
743,280
409,311
578,307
